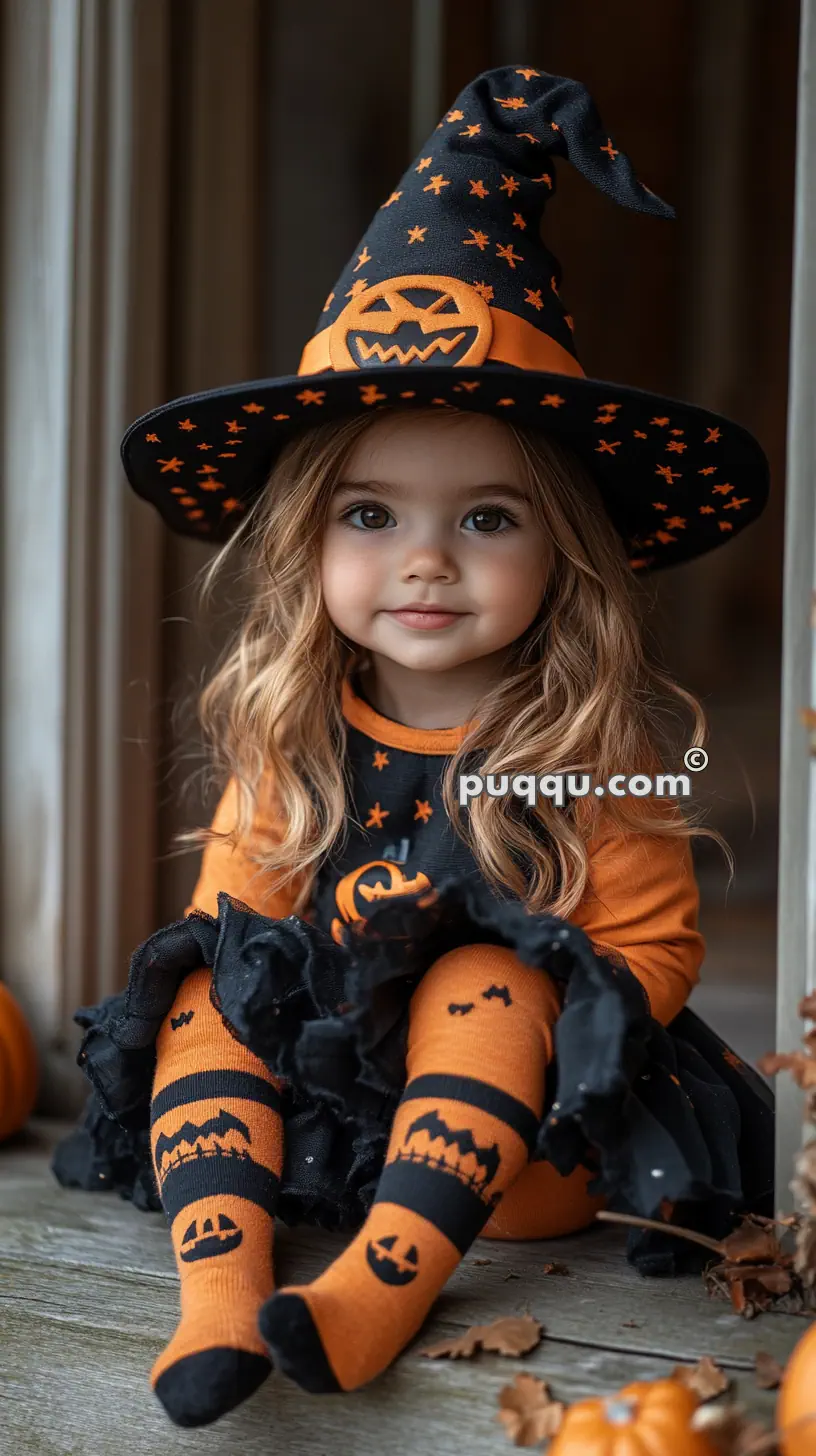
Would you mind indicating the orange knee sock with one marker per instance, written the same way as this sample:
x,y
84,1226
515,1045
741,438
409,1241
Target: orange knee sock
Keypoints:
x,y
217,1151
479,1041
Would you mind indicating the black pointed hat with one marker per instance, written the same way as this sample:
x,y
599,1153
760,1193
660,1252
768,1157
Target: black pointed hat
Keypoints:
x,y
452,298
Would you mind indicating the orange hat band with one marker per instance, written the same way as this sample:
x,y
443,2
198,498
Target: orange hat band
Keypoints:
x,y
513,341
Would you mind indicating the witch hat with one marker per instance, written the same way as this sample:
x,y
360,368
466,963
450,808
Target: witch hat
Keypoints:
x,y
452,298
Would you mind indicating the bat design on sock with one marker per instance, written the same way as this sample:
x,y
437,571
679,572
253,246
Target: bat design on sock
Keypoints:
x,y
486,1159
498,993
460,1008
196,1136
183,1019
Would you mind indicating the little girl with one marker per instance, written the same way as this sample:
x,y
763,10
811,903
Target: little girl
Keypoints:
x,y
394,1007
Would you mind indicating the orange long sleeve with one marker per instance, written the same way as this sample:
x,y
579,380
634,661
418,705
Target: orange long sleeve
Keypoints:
x,y
232,868
643,901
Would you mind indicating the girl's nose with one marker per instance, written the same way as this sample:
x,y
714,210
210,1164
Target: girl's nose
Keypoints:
x,y
430,563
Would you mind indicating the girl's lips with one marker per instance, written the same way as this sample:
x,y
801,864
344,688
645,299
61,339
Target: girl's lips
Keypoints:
x,y
426,620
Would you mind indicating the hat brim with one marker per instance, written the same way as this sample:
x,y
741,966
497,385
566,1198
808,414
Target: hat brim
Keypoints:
x,y
676,480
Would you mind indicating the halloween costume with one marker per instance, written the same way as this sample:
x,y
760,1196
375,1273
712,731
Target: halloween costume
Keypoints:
x,y
415,1050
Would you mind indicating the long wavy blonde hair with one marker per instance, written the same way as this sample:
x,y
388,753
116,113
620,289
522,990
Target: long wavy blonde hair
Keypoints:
x,y
578,694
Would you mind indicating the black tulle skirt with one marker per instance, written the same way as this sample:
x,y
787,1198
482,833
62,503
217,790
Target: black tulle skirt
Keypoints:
x,y
662,1116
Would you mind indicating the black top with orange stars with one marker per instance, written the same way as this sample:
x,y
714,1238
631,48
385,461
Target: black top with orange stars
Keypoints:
x,y
400,839
452,298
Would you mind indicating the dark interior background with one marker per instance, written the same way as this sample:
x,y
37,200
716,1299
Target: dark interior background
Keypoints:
x,y
290,127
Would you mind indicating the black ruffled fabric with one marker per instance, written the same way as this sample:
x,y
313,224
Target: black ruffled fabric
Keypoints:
x,y
659,1114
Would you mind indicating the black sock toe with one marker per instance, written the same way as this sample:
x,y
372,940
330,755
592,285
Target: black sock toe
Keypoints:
x,y
286,1323
199,1388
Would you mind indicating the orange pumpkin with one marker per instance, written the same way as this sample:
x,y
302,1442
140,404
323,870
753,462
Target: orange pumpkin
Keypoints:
x,y
797,1399
647,1418
19,1069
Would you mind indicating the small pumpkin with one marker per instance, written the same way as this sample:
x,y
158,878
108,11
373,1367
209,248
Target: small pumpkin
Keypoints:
x,y
19,1067
796,1404
647,1418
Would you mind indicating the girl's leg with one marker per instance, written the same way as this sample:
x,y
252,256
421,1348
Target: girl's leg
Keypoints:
x,y
217,1149
543,1205
479,1042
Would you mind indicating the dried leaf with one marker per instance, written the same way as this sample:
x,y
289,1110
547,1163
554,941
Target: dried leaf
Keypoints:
x,y
749,1244
753,1287
807,1007
731,1432
804,1259
774,1277
740,1302
528,1412
805,1176
801,1067
511,1335
782,1220
767,1371
481,1262
705,1378
554,1266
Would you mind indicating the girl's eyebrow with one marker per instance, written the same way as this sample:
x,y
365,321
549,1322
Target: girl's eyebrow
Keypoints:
x,y
399,491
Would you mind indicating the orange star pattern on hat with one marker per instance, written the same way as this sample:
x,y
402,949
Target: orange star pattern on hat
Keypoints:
x,y
407,300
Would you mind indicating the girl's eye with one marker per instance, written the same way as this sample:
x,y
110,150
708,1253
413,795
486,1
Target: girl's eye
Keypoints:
x,y
366,512
487,517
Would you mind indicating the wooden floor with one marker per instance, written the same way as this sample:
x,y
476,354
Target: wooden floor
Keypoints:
x,y
88,1297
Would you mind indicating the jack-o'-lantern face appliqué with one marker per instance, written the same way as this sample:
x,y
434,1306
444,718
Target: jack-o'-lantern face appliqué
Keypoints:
x,y
417,319
378,880
387,1260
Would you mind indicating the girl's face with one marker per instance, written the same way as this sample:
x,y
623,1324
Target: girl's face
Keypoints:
x,y
433,511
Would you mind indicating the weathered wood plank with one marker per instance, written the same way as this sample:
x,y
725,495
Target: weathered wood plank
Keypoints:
x,y
44,1228
86,1394
89,1296
575,1310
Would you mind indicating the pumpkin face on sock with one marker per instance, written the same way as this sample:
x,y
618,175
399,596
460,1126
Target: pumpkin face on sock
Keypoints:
x,y
389,1263
209,1243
